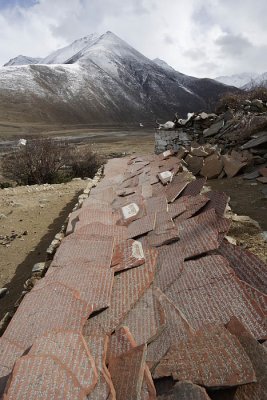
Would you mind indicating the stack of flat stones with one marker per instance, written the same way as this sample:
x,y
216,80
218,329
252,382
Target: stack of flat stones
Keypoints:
x,y
144,298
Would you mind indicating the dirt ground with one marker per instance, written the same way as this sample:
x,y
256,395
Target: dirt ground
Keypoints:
x,y
36,214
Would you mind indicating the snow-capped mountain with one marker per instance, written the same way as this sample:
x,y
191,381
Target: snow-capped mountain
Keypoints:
x,y
245,80
22,60
100,78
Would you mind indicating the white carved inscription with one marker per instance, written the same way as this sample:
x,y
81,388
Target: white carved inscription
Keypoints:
x,y
129,211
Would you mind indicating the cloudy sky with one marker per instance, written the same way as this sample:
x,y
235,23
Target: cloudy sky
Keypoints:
x,y
197,37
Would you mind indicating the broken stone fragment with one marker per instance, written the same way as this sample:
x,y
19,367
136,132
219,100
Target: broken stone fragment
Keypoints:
x,y
194,163
212,167
214,129
199,151
232,165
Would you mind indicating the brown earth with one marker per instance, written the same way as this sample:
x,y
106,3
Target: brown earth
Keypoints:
x,y
39,212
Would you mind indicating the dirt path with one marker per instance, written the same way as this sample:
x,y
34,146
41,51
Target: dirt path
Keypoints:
x,y
36,214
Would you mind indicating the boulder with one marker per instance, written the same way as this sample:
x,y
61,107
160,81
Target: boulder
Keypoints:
x,y
194,163
212,167
232,165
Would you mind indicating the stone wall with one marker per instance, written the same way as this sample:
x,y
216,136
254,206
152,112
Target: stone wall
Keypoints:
x,y
165,140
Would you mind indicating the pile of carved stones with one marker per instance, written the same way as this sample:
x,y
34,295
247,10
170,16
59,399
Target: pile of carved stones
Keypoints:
x,y
145,298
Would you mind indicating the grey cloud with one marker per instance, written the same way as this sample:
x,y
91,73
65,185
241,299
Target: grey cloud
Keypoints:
x,y
203,17
233,45
195,54
168,39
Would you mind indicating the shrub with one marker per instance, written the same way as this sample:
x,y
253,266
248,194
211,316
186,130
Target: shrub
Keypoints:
x,y
38,162
259,92
84,162
49,161
229,100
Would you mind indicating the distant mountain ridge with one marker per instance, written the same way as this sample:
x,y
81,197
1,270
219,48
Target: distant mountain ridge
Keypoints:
x,y
245,80
100,78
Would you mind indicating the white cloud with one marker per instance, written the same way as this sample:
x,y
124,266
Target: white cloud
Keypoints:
x,y
197,37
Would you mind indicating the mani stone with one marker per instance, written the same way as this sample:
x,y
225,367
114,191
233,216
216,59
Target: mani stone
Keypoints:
x,y
127,373
212,167
213,358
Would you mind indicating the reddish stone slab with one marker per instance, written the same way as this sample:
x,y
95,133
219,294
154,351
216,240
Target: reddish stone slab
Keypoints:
x,y
107,195
44,310
194,187
258,357
71,350
127,373
165,231
172,163
170,264
246,265
141,226
9,353
93,283
174,190
175,209
193,204
89,216
211,219
127,254
43,377
77,246
195,239
127,289
120,343
146,319
208,291
218,201
211,358
98,343
146,190
158,190
176,329
259,297
118,233
156,204
186,391
93,204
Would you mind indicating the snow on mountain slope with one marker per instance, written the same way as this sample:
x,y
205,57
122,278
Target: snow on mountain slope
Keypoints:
x,y
163,64
22,60
238,80
260,80
100,79
61,56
